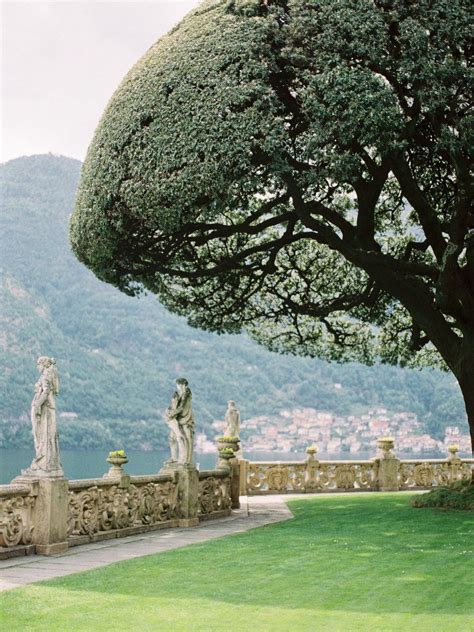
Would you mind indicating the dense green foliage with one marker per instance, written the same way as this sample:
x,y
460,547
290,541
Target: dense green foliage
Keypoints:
x,y
298,169
459,495
358,563
118,356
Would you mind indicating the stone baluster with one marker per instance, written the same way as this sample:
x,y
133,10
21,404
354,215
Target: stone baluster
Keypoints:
x,y
243,473
227,449
455,463
387,465
312,464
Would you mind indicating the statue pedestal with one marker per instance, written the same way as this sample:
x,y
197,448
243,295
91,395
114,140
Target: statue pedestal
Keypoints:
x,y
188,490
169,468
50,534
50,511
29,475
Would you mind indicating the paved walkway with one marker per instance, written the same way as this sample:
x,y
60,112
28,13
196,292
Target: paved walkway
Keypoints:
x,y
255,511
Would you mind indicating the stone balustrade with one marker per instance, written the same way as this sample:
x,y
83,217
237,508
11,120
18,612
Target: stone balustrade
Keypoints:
x,y
101,509
296,477
214,494
17,505
383,473
419,474
48,516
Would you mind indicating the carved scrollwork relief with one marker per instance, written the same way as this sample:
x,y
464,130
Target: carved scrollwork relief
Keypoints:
x,y
16,520
344,476
107,508
423,475
214,495
405,475
83,512
255,477
277,478
365,475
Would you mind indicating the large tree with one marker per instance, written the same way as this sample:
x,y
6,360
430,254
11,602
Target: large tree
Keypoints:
x,y
298,169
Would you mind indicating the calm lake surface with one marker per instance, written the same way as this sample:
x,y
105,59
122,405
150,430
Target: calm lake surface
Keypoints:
x,y
92,463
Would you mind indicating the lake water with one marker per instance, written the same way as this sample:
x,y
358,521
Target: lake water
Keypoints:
x,y
92,463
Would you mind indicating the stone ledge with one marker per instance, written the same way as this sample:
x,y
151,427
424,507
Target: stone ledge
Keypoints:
x,y
77,540
16,551
223,513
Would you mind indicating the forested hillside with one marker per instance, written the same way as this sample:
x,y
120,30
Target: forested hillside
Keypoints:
x,y
118,356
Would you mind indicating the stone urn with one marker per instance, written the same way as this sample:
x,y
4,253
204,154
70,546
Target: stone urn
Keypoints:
x,y
453,453
116,461
311,452
385,445
228,442
225,456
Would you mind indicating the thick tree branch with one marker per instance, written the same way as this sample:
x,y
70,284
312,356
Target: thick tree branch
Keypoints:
x,y
424,210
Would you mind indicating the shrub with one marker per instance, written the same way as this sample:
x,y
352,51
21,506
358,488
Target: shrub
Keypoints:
x,y
458,495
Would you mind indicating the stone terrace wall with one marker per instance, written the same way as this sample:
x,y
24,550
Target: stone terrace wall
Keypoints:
x,y
383,473
48,516
99,509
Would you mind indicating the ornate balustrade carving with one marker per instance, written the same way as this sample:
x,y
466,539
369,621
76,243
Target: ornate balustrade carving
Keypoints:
x,y
16,515
214,493
313,476
100,506
309,476
418,473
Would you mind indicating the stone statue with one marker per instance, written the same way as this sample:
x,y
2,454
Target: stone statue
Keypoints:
x,y
47,460
232,420
179,417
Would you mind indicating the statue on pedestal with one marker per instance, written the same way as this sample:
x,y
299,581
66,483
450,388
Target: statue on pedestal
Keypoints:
x,y
232,420
47,460
179,418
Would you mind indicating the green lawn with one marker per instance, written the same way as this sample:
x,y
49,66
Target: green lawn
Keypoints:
x,y
354,562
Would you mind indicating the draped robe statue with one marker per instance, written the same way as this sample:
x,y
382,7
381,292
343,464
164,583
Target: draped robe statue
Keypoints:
x,y
232,420
180,420
47,459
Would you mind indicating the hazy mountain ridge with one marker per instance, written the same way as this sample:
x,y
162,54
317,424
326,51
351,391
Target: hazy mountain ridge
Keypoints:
x,y
118,356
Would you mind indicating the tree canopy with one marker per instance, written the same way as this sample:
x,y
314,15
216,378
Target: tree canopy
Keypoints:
x,y
299,169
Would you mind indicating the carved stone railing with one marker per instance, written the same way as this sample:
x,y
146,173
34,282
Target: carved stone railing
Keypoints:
x,y
17,503
294,477
214,494
46,515
419,474
100,508
385,472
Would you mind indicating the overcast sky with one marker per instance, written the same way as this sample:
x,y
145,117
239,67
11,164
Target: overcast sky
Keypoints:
x,y
61,62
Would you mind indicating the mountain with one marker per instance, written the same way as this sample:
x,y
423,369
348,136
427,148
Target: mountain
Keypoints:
x,y
118,356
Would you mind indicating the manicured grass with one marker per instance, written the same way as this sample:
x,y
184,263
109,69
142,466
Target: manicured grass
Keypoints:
x,y
344,563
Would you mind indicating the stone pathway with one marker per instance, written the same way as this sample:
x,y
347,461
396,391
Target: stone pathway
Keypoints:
x,y
255,511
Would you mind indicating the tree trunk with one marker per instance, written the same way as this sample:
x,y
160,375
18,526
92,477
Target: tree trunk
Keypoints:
x,y
467,388
465,378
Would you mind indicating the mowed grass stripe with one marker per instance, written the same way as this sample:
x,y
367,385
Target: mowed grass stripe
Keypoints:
x,y
359,562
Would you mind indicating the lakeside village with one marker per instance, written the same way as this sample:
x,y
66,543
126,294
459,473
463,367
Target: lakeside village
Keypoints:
x,y
294,430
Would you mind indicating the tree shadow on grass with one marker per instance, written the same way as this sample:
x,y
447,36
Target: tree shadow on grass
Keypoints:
x,y
359,554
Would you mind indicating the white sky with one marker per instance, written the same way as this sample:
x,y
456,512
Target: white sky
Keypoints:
x,y
61,62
